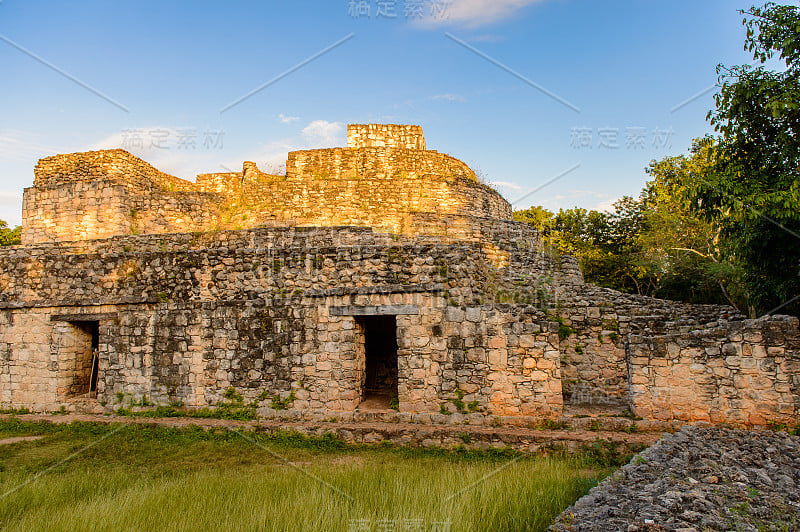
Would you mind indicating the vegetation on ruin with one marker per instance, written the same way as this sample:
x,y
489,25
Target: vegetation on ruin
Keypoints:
x,y
232,407
111,477
722,223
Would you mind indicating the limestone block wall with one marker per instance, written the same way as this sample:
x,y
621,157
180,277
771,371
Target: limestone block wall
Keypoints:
x,y
376,198
190,316
44,363
104,209
486,361
745,372
350,163
598,324
383,181
109,193
76,210
240,267
526,270
115,165
26,341
593,357
385,135
504,358
112,193
194,353
273,348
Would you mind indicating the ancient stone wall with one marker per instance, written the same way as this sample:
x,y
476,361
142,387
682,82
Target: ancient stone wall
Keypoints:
x,y
385,136
45,360
112,193
504,358
234,265
596,325
245,295
745,372
449,360
361,163
185,317
75,210
668,360
109,193
384,204
25,351
114,165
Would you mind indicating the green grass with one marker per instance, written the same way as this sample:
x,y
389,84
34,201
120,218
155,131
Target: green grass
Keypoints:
x,y
155,478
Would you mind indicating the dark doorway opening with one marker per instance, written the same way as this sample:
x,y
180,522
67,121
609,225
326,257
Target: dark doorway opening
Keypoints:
x,y
94,329
87,357
380,353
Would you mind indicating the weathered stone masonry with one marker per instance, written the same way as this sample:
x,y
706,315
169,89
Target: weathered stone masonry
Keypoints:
x,y
380,266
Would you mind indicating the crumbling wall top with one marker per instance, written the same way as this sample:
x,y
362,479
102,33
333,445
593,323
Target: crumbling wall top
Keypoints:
x,y
118,165
385,136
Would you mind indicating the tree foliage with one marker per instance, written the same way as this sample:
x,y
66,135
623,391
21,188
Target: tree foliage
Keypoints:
x,y
8,236
650,245
678,248
752,192
721,224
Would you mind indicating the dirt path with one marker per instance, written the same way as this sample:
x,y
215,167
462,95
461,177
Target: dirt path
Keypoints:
x,y
9,441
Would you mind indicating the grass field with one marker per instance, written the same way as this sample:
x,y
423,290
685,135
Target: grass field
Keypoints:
x,y
134,477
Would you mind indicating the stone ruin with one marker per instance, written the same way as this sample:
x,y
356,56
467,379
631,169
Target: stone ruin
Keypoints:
x,y
381,274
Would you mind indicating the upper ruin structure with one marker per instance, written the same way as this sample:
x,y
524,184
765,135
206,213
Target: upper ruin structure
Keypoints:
x,y
384,178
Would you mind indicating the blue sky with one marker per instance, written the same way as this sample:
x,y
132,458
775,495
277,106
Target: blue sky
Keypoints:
x,y
524,91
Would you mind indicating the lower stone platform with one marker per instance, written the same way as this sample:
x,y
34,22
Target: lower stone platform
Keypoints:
x,y
571,435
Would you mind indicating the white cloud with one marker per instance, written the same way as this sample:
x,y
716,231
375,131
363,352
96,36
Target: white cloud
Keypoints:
x,y
506,184
16,145
607,206
324,134
474,13
288,119
449,97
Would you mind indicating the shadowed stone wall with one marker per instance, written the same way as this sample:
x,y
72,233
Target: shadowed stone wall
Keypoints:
x,y
243,310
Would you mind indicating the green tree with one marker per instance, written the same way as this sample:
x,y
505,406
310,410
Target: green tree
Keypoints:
x,y
8,236
752,193
592,236
679,250
650,245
